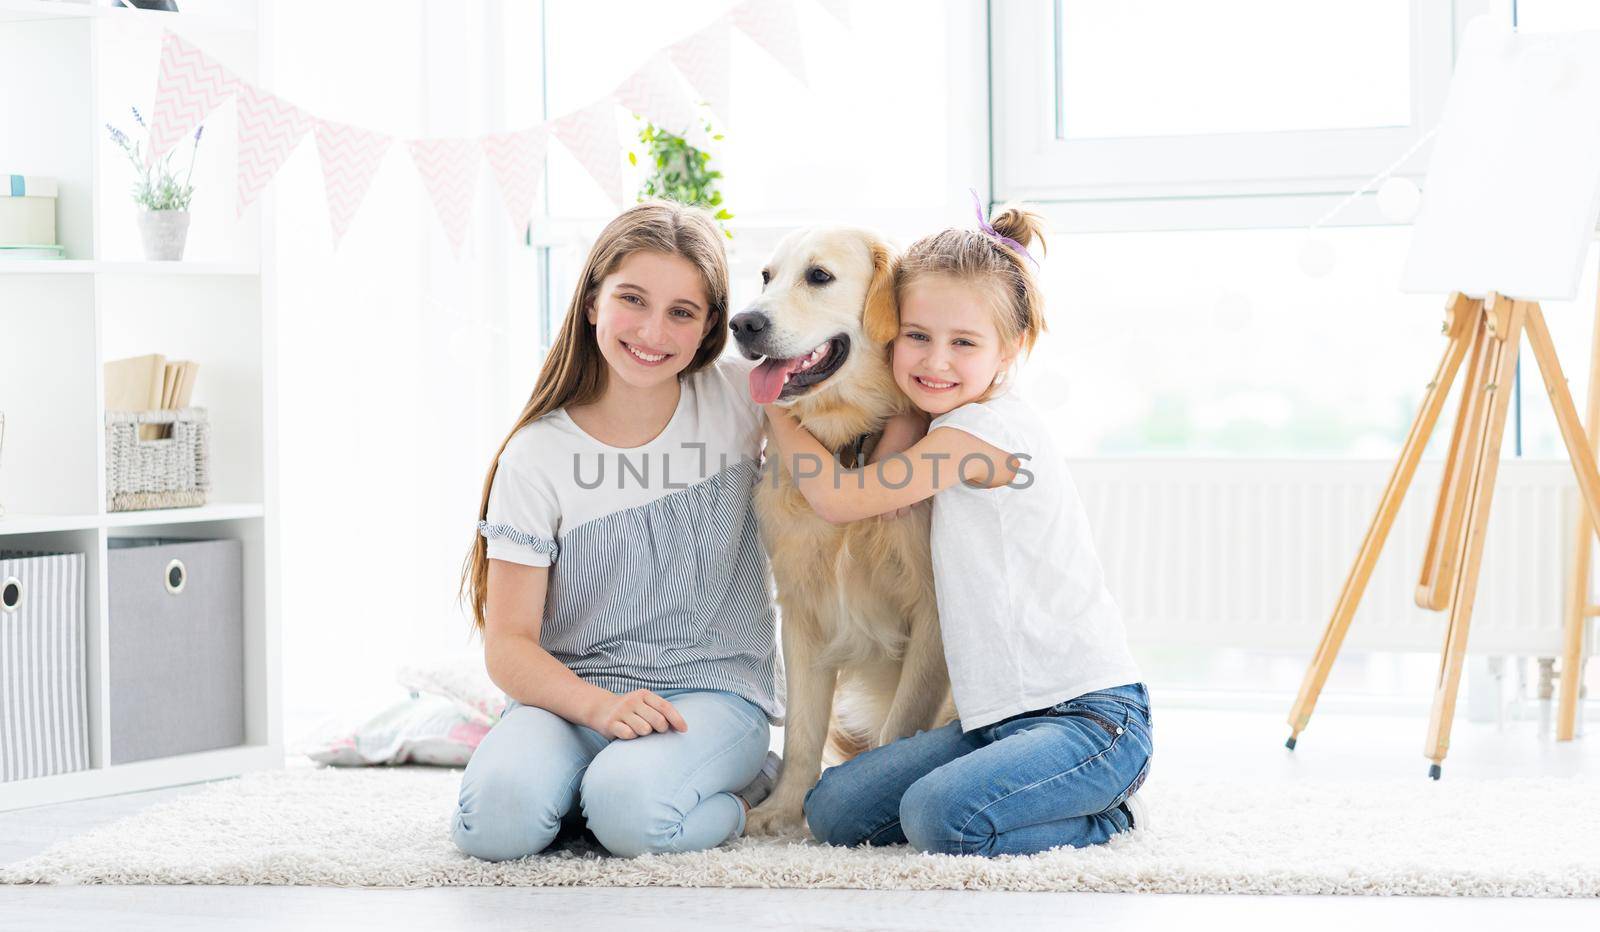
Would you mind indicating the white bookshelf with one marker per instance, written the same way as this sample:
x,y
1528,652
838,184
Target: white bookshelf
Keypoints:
x,y
66,69
127,267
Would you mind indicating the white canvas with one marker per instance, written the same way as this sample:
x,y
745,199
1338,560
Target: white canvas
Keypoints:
x,y
1513,187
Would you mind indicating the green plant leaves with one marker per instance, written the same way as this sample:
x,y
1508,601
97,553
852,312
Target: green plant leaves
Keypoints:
x,y
157,187
682,172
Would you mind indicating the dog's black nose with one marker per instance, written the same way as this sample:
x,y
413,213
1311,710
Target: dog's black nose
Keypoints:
x,y
748,323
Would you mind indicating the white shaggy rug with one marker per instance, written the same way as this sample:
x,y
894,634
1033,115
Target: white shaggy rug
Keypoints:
x,y
388,827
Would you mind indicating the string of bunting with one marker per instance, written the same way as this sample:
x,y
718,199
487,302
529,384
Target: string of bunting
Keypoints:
x,y
664,90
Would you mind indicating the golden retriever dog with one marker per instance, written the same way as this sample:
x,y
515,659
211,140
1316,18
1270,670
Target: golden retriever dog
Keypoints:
x,y
857,600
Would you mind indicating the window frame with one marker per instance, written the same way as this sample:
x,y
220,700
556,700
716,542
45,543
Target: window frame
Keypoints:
x,y
1221,180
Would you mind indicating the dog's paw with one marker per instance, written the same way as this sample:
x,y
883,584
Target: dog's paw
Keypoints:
x,y
774,817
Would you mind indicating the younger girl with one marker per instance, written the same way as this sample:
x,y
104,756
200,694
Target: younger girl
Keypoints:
x,y
619,582
1054,731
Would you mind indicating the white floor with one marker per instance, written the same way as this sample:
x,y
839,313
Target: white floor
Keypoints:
x,y
1190,743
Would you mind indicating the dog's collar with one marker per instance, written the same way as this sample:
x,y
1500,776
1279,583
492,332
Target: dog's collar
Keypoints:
x,y
854,448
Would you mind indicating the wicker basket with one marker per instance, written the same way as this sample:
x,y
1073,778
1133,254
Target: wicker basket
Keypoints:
x,y
173,472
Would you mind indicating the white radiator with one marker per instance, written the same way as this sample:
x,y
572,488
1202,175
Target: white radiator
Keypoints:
x,y
1253,553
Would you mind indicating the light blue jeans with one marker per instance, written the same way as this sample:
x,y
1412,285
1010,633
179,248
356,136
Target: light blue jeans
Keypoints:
x,y
666,791
1039,780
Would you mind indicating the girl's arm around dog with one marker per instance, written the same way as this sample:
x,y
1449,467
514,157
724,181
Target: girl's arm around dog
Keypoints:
x,y
931,465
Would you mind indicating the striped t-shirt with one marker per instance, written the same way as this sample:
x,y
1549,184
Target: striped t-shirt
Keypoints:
x,y
658,579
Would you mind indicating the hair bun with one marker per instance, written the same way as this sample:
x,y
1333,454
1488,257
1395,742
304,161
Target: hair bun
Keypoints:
x,y
1020,224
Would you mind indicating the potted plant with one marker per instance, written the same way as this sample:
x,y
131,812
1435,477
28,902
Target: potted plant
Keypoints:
x,y
164,221
680,172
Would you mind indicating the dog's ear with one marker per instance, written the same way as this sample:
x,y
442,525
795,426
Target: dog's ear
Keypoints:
x,y
882,318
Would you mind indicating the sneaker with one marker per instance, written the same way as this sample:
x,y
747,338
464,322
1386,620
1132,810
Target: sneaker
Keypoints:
x,y
1138,812
758,789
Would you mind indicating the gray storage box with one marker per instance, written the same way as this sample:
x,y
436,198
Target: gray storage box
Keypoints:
x,y
176,626
44,710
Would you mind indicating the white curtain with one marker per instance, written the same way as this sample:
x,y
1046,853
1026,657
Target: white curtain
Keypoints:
x,y
391,354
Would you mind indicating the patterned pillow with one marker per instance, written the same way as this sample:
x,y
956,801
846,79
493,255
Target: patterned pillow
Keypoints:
x,y
461,678
419,729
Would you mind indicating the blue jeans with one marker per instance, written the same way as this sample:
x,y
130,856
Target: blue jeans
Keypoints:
x,y
665,791
1031,782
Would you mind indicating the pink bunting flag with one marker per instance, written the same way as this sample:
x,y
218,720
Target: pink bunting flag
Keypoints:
x,y
189,86
703,59
590,134
656,93
449,170
350,157
773,25
517,160
269,129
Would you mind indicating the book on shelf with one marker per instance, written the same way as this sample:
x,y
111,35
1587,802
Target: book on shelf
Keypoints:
x,y
149,383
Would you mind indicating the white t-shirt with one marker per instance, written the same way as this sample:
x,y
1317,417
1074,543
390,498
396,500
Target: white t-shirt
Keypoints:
x,y
1024,610
558,477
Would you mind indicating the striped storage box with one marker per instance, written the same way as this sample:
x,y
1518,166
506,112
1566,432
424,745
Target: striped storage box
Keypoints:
x,y
27,210
44,722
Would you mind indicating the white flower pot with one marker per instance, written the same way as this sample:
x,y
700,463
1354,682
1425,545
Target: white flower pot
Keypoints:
x,y
164,232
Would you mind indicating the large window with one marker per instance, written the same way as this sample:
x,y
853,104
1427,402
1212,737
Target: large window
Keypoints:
x,y
1178,149
888,132
1186,114
1181,157
865,137
1218,343
1117,64
1208,343
1183,326
1181,151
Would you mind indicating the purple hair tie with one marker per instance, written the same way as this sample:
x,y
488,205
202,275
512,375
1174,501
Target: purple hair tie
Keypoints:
x,y
989,230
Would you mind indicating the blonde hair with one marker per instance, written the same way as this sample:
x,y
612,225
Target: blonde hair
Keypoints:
x,y
975,258
574,372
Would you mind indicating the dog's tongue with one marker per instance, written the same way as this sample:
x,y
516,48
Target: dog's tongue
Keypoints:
x,y
766,380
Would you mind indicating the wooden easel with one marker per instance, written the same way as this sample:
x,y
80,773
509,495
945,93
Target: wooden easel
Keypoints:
x,y
1579,610
1490,331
